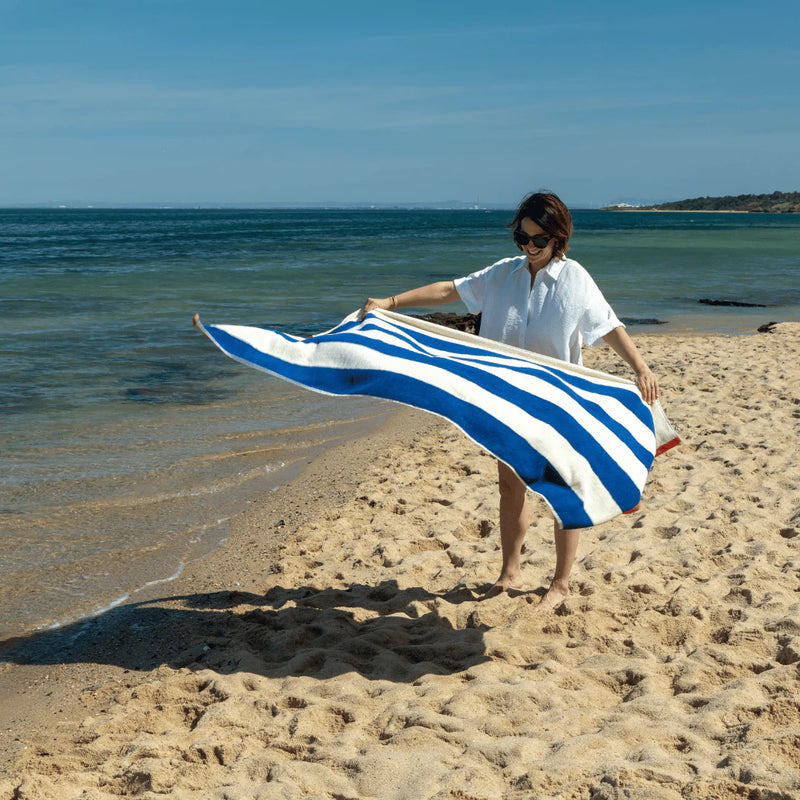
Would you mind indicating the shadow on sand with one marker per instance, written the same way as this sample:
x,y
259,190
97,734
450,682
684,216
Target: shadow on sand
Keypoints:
x,y
381,632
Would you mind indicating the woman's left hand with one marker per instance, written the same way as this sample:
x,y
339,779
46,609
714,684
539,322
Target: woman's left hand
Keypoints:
x,y
648,385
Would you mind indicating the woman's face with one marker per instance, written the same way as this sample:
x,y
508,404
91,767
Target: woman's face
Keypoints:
x,y
537,257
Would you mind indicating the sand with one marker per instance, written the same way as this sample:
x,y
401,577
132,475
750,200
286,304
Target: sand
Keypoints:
x,y
335,647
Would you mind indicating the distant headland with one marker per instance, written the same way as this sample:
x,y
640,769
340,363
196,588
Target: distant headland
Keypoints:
x,y
775,203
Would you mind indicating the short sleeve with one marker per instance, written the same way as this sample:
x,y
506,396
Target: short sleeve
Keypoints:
x,y
472,289
598,318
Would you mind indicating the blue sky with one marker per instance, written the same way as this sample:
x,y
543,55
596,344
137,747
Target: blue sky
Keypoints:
x,y
114,101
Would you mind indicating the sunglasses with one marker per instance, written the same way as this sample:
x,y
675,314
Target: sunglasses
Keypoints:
x,y
540,240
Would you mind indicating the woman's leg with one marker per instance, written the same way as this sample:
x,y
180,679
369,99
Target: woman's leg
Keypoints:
x,y
513,525
566,550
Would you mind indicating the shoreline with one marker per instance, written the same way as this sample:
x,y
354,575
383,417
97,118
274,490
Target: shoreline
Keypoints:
x,y
280,511
689,211
83,542
334,643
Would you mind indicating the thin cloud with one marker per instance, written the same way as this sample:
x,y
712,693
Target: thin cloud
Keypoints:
x,y
32,105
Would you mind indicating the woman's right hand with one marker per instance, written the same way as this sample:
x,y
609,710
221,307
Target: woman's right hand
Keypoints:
x,y
434,294
385,303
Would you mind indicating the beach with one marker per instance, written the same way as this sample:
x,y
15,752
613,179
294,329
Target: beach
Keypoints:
x,y
335,646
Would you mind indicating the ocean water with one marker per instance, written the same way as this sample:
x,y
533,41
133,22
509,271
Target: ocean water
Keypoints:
x,y
127,441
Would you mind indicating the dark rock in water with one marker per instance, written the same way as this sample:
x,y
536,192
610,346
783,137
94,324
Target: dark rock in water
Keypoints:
x,y
731,303
642,321
769,327
469,323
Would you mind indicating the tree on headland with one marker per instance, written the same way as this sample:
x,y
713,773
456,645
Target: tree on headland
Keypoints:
x,y
774,203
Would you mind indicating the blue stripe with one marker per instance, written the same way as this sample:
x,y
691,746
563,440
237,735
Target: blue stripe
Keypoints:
x,y
287,336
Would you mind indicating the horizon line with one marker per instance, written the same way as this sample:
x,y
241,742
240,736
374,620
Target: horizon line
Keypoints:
x,y
159,206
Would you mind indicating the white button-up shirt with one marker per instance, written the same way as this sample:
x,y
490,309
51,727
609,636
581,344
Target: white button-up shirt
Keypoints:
x,y
563,308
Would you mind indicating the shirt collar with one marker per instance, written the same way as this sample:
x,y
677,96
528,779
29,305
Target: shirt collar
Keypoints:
x,y
552,270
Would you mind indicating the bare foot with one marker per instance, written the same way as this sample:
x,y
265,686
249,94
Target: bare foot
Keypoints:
x,y
552,599
502,585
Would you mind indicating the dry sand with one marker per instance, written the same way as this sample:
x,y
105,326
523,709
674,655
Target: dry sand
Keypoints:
x,y
335,647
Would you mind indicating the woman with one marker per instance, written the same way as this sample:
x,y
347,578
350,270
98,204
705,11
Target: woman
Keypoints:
x,y
548,304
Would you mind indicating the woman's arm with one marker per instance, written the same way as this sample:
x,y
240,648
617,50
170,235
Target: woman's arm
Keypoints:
x,y
624,347
434,294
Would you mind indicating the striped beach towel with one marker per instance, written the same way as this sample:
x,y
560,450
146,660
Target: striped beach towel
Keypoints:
x,y
581,439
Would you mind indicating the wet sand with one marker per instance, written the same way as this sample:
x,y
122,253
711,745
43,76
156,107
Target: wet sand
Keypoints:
x,y
335,647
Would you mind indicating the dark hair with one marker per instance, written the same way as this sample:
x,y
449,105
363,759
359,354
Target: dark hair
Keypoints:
x,y
550,214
